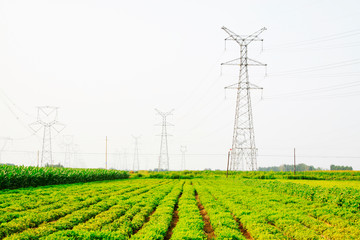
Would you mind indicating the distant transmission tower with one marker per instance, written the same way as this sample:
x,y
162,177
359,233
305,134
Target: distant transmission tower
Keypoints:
x,y
68,143
183,150
164,151
243,153
47,119
125,158
136,164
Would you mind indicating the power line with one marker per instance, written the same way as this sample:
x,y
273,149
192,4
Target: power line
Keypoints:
x,y
14,105
5,142
330,37
197,154
319,68
334,75
317,90
191,94
319,48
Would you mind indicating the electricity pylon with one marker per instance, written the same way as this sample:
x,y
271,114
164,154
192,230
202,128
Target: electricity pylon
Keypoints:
x,y
164,151
47,119
243,153
136,164
183,150
125,158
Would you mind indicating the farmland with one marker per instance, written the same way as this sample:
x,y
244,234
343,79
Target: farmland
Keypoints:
x,y
19,176
197,208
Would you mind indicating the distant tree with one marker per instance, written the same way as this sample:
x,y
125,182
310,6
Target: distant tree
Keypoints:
x,y
161,170
54,165
289,168
336,168
9,164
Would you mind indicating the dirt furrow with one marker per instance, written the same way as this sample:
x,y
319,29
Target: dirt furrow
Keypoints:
x,y
175,219
242,229
209,231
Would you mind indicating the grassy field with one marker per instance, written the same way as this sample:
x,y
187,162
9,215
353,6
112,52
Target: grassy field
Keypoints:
x,y
197,208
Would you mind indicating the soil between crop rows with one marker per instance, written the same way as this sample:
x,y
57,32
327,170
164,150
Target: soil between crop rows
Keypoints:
x,y
209,231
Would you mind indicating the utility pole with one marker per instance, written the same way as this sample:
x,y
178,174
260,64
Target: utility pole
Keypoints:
x,y
136,164
227,167
47,120
5,142
183,150
106,152
164,151
294,162
243,154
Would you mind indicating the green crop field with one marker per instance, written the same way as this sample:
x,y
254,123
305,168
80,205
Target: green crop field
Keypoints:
x,y
202,207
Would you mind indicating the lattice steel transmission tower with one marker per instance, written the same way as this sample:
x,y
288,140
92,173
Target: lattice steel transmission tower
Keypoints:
x,y
136,164
68,144
164,150
183,150
243,153
125,158
47,119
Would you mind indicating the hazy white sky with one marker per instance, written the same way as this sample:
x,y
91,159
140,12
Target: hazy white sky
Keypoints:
x,y
108,64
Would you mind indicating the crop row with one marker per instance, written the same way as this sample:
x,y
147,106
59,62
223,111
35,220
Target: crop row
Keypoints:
x,y
344,216
342,197
43,201
269,215
159,222
121,220
138,222
67,216
12,177
190,224
222,221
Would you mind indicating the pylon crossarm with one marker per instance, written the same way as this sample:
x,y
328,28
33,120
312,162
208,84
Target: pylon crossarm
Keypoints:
x,y
170,112
235,61
164,135
243,40
232,35
164,114
58,127
160,113
252,62
47,113
233,86
253,86
256,34
34,128
236,86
